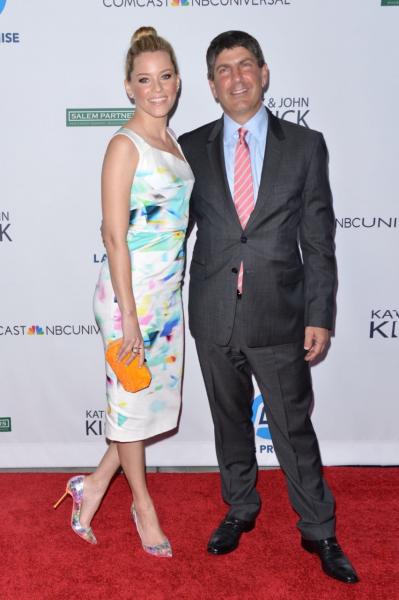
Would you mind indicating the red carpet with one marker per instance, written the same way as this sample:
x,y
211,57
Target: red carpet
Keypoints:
x,y
41,558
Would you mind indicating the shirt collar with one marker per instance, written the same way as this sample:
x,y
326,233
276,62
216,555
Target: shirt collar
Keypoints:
x,y
257,126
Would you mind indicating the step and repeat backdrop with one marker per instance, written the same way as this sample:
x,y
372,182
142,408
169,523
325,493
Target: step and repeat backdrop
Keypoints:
x,y
333,67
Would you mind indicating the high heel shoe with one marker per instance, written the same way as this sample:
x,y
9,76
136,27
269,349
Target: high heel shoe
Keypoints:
x,y
74,488
162,550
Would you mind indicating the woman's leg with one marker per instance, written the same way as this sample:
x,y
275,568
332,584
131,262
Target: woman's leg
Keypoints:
x,y
96,484
132,458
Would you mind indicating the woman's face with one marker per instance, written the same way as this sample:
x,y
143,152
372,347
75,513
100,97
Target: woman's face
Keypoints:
x,y
153,83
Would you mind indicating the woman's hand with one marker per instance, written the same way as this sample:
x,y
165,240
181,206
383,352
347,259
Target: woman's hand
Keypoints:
x,y
132,344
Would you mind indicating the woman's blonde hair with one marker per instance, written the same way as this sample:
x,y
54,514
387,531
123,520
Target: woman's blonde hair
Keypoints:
x,y
146,39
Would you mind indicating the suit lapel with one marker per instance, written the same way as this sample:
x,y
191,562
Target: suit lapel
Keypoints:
x,y
271,164
216,158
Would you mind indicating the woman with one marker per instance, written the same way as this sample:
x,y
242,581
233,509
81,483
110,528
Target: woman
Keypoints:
x,y
146,185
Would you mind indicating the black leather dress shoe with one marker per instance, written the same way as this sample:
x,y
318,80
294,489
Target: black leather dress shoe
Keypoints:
x,y
227,536
333,560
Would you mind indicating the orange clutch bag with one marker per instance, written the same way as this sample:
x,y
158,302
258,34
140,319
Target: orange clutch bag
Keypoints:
x,y
132,377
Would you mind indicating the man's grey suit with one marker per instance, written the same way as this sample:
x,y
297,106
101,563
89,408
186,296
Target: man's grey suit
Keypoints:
x,y
289,280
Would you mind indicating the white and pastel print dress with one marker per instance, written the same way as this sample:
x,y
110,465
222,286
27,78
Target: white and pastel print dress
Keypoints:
x,y
159,205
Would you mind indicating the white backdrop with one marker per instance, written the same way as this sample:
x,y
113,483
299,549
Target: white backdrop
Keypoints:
x,y
333,68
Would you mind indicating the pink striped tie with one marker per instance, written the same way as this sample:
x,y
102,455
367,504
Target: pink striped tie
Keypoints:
x,y
243,188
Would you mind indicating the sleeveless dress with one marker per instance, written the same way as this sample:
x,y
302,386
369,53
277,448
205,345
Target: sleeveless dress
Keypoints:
x,y
159,205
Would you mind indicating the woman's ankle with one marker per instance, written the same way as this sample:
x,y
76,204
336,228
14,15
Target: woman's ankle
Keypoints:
x,y
144,505
96,485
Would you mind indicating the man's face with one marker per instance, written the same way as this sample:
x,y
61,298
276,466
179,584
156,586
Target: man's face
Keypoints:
x,y
238,83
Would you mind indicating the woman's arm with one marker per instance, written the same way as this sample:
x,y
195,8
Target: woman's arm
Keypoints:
x,y
120,163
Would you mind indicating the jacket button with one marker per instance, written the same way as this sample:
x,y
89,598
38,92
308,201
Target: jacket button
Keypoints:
x,y
243,239
234,270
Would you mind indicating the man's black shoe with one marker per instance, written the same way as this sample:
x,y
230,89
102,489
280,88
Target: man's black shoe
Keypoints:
x,y
333,560
227,536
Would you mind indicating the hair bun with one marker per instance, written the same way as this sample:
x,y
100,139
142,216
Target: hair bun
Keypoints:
x,y
143,32
146,39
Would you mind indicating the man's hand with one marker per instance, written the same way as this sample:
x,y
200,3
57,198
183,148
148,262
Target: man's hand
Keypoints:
x,y
316,340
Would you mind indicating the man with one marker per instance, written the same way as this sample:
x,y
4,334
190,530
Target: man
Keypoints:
x,y
261,300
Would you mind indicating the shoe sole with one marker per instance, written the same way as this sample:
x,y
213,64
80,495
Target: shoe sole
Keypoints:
x,y
217,552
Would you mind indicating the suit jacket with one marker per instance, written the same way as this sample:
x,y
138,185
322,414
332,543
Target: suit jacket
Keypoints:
x,y
287,246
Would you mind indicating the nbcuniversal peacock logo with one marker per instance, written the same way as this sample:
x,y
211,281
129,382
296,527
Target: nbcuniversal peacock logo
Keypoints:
x,y
261,426
35,330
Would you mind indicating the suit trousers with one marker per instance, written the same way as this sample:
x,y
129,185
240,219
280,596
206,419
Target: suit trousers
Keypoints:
x,y
283,377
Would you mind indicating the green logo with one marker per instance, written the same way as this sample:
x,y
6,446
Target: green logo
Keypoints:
x,y
5,424
97,117
389,2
